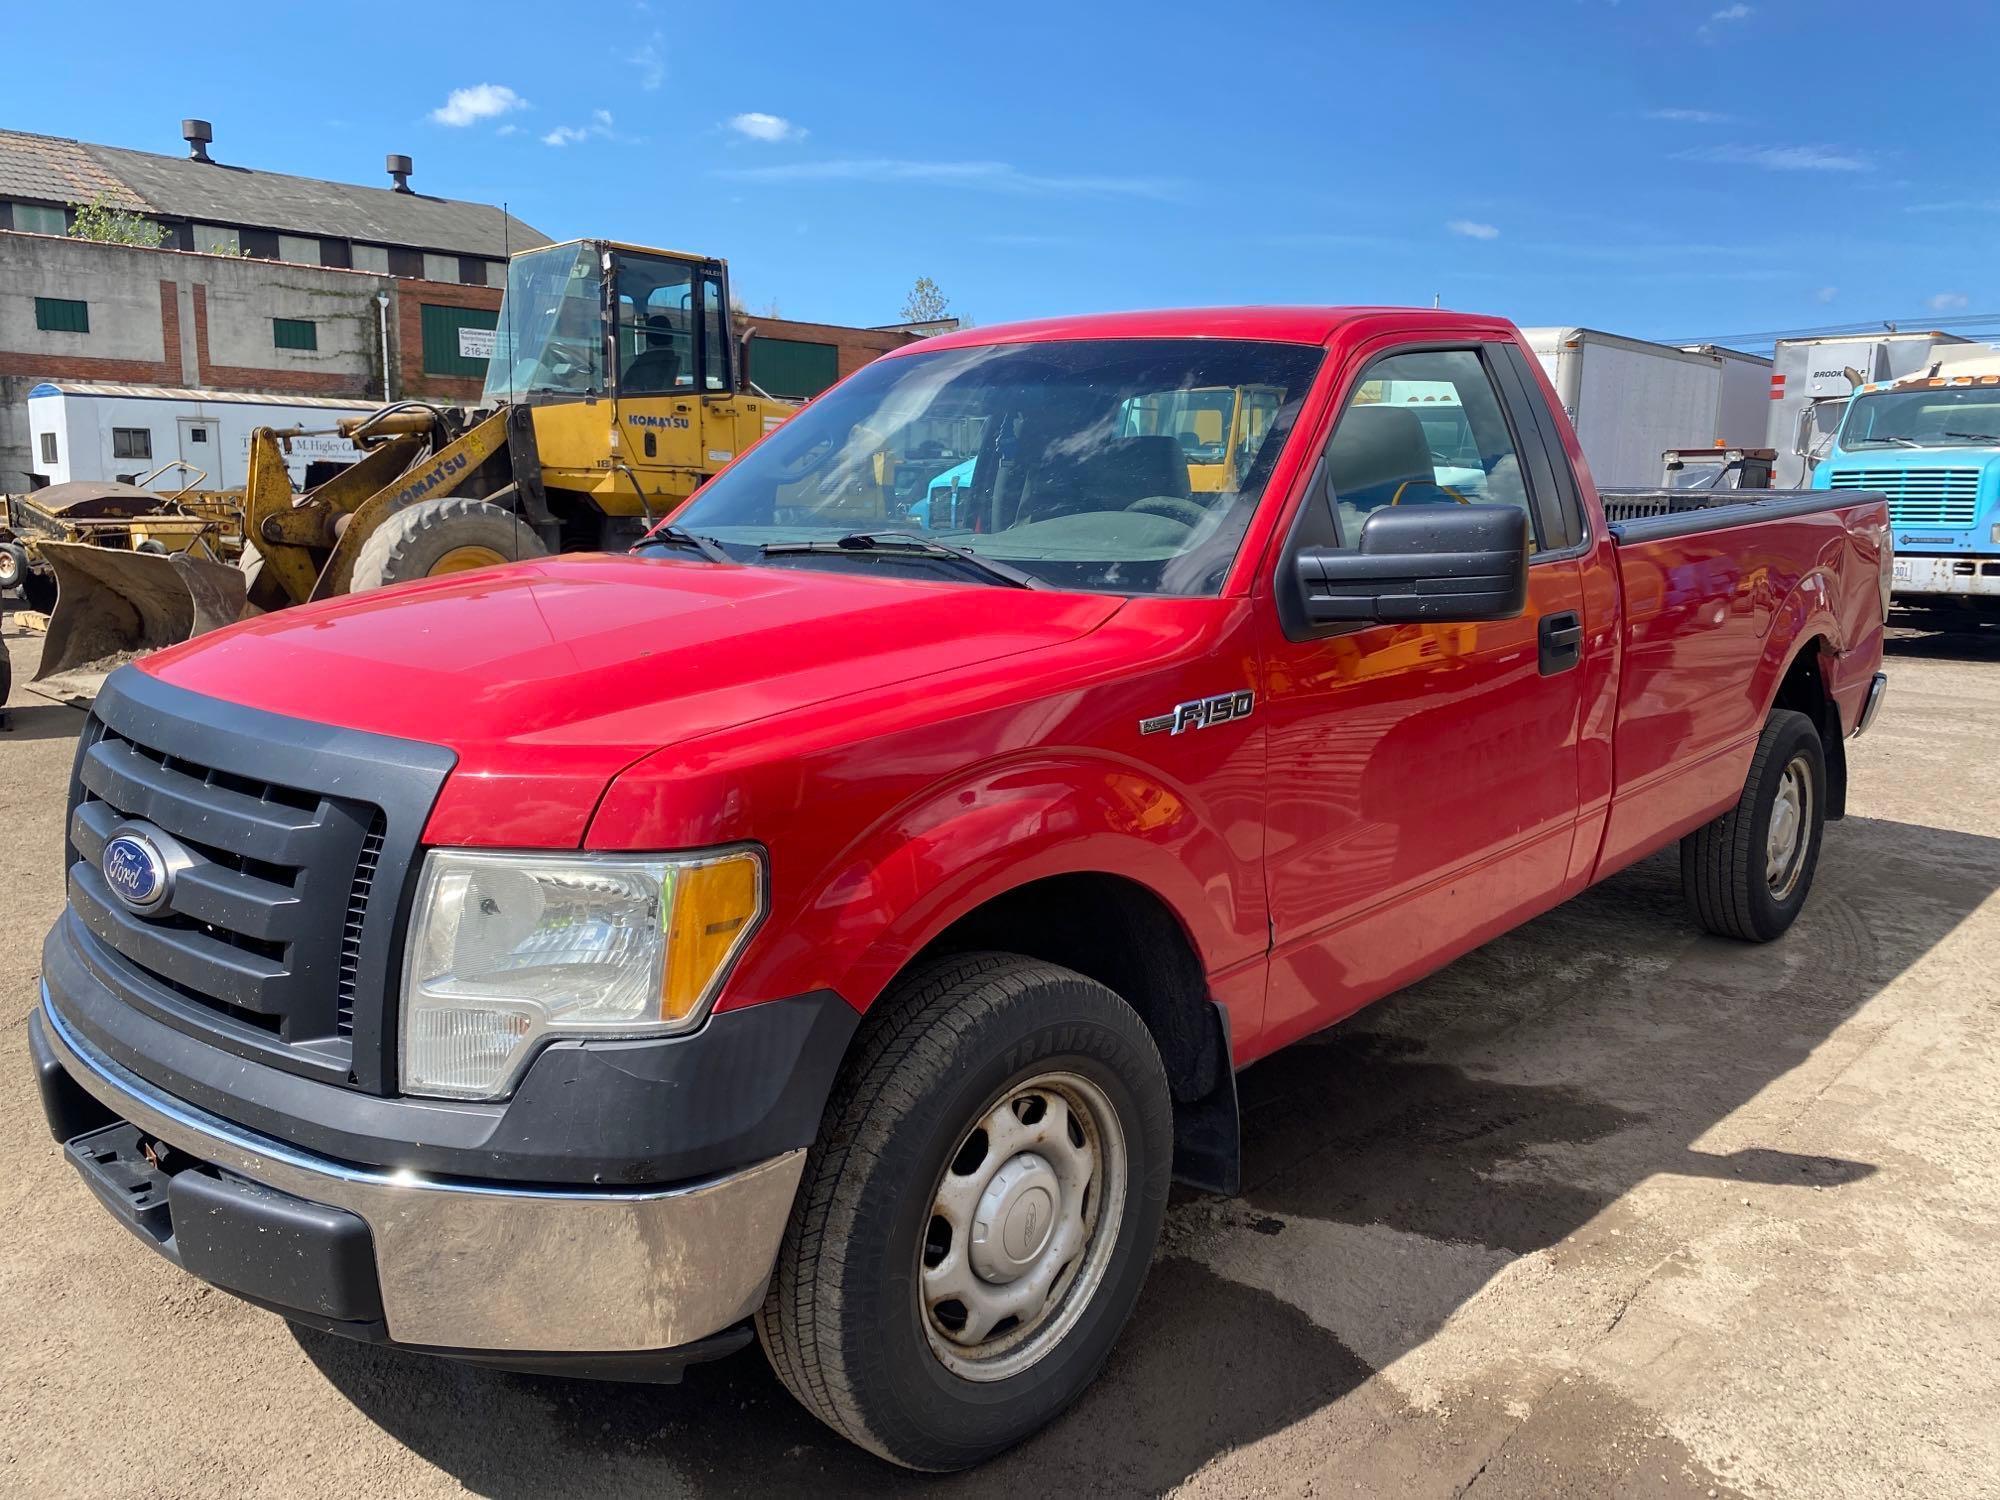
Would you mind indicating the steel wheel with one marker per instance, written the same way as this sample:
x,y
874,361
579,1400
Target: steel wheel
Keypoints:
x,y
1023,1223
1786,837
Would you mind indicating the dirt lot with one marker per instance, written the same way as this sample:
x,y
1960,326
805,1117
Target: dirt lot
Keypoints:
x,y
1606,1208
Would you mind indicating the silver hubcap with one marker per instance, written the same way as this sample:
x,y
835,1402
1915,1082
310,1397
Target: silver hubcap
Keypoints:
x,y
1023,1224
1791,822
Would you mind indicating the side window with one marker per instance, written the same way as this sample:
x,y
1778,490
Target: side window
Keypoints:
x,y
1423,428
714,335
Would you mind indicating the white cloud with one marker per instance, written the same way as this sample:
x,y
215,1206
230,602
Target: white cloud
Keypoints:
x,y
1690,116
651,61
1472,229
1783,158
986,176
1732,13
483,101
1947,302
600,126
758,126
508,129
1826,294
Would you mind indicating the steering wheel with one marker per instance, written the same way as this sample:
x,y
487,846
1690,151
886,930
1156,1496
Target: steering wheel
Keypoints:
x,y
1172,507
1397,498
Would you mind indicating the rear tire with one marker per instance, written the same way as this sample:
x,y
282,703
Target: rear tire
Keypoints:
x,y
1747,874
928,1333
13,565
435,537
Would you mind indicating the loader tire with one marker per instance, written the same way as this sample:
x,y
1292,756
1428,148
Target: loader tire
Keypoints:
x,y
13,565
436,537
38,590
1747,873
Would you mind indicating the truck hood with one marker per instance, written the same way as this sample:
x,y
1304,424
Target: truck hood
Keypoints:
x,y
548,678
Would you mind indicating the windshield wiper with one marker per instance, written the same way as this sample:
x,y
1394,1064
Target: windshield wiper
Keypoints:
x,y
1900,442
909,541
680,536
1976,437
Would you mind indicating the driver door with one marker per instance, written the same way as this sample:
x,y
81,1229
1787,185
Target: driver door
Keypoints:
x,y
1423,777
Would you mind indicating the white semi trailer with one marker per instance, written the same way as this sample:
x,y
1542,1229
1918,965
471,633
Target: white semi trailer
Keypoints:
x,y
1631,400
197,439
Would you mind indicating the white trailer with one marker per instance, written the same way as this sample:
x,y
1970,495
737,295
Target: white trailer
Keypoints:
x,y
1742,407
1630,400
201,439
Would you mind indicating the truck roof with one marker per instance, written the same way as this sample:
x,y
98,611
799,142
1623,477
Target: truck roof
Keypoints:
x,y
1285,325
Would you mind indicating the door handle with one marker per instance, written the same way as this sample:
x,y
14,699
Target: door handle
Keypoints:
x,y
1562,642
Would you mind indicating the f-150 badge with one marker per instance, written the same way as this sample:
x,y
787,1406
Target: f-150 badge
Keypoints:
x,y
1201,713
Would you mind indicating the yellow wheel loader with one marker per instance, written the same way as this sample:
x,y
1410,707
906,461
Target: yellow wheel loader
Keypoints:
x,y
613,390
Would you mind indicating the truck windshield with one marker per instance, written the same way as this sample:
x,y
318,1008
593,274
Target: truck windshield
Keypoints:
x,y
550,335
1055,481
1946,417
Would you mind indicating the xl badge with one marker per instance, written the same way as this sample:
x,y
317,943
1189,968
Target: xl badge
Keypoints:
x,y
137,872
1201,713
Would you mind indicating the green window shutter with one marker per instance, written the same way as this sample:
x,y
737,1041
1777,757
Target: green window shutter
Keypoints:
x,y
792,367
441,327
61,315
294,333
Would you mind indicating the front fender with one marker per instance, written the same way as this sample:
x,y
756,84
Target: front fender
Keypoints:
x,y
959,845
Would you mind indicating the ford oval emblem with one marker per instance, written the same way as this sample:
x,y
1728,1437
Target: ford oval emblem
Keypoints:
x,y
136,871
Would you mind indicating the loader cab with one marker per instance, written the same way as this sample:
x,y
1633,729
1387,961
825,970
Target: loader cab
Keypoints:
x,y
592,319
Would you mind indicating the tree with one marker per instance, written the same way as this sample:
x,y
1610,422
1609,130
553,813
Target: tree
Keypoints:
x,y
925,304
108,224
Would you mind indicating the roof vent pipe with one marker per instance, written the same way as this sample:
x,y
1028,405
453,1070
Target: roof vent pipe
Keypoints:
x,y
197,133
400,169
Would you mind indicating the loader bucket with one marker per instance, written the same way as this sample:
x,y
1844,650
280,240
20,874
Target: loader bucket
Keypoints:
x,y
112,604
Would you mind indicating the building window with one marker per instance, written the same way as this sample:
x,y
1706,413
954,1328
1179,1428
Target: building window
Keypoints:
x,y
213,239
372,258
300,250
61,315
131,442
457,339
440,267
793,367
33,218
294,333
471,270
48,448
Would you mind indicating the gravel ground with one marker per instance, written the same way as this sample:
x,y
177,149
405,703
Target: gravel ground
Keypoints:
x,y
1605,1208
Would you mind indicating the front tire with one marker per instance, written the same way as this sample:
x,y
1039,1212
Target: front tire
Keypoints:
x,y
1746,874
978,1213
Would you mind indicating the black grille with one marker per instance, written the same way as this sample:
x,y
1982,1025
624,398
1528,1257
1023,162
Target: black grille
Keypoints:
x,y
275,939
357,917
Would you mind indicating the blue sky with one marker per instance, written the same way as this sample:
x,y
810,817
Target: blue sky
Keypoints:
x,y
1667,168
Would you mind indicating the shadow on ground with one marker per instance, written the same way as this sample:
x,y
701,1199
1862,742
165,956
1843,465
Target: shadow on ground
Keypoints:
x,y
1969,644
1640,1036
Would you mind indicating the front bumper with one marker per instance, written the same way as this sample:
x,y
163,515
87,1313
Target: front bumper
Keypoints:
x,y
459,1265
1960,577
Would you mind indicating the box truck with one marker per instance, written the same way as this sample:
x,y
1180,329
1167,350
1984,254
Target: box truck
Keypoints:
x,y
1811,379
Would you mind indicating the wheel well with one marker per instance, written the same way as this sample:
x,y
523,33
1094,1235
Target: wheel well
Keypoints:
x,y
1804,690
1125,937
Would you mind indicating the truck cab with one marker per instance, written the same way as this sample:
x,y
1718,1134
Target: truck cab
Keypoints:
x,y
1931,445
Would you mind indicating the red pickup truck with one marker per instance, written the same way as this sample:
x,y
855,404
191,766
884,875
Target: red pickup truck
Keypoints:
x,y
837,926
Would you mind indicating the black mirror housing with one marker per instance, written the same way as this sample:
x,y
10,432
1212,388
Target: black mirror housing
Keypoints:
x,y
1456,563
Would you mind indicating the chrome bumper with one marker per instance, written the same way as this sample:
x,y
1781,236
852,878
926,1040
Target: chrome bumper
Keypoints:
x,y
481,1266
1872,704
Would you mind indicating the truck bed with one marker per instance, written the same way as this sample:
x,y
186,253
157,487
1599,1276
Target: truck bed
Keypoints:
x,y
1718,587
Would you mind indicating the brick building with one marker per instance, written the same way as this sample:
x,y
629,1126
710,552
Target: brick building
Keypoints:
x,y
264,282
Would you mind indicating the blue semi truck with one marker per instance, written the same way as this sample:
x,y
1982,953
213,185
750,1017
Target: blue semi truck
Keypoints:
x,y
1931,443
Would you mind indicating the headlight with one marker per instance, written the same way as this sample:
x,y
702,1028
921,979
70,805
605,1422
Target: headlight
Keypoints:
x,y
506,950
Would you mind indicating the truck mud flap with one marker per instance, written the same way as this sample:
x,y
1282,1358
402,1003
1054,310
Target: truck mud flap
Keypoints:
x,y
112,605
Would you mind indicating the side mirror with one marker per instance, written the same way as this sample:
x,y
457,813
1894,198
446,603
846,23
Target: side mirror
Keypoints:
x,y
1420,562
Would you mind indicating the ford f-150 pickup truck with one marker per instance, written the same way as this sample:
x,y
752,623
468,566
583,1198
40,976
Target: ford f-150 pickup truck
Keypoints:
x,y
824,929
